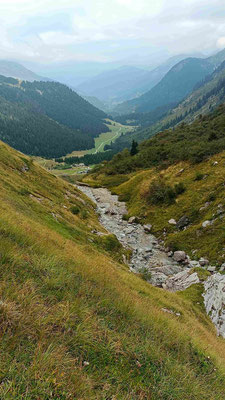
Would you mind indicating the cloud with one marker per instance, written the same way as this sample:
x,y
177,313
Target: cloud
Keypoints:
x,y
48,30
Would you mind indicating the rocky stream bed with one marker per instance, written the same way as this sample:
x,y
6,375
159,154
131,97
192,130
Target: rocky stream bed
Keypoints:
x,y
170,271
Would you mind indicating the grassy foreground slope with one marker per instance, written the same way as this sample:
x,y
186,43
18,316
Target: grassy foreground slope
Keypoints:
x,y
75,324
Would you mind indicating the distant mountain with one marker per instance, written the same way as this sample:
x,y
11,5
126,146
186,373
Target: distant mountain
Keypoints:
x,y
47,118
126,82
16,70
176,84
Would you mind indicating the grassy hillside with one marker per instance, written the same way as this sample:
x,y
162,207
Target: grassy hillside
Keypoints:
x,y
47,118
200,197
74,322
156,191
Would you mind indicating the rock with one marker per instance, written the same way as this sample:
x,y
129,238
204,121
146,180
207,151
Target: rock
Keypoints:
x,y
166,310
179,256
181,281
222,268
158,278
183,221
172,222
24,168
167,270
203,262
211,268
132,220
215,163
206,223
170,254
214,300
194,263
147,228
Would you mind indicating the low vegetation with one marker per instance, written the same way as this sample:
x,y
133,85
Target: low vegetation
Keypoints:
x,y
75,323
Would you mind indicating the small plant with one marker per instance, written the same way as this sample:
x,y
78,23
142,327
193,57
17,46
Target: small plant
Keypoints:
x,y
145,274
84,214
24,191
75,210
211,197
125,217
199,176
179,188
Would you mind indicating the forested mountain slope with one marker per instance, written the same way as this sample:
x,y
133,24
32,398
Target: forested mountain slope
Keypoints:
x,y
47,118
206,97
175,85
75,323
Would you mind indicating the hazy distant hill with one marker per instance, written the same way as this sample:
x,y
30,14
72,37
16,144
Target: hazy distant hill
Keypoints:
x,y
16,70
124,83
47,118
175,85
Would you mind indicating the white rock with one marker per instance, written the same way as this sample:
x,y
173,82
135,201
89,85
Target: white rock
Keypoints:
x,y
203,262
158,278
147,228
211,268
179,256
206,223
172,221
214,300
181,281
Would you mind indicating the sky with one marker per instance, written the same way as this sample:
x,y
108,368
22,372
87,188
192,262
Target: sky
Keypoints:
x,y
51,31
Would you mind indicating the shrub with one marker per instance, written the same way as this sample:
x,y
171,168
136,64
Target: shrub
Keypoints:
x,y
179,188
75,210
160,193
199,176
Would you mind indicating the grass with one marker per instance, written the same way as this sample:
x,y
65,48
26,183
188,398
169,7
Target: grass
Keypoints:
x,y
75,323
116,130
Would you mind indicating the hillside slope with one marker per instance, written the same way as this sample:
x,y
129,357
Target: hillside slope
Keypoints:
x,y
74,322
47,118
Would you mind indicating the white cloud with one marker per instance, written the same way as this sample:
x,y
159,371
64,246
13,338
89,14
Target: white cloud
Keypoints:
x,y
101,25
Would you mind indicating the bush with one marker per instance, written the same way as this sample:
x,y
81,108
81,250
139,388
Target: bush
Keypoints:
x,y
75,210
160,193
199,176
179,188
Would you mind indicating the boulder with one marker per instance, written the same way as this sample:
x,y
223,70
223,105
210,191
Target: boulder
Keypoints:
x,y
179,256
214,300
158,278
147,228
181,281
172,221
183,222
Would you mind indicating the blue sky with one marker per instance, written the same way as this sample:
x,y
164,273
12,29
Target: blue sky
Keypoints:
x,y
108,30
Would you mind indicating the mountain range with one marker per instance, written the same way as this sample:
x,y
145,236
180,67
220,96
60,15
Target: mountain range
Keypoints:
x,y
175,85
118,85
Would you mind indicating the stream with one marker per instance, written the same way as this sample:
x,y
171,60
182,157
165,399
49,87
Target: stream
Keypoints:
x,y
148,254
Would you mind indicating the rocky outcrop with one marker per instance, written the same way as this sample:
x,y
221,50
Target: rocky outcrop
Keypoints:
x,y
214,300
181,281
